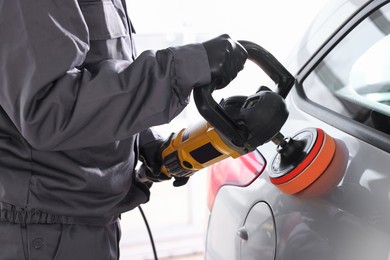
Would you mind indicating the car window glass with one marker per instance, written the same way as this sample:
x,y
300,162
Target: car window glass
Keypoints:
x,y
354,78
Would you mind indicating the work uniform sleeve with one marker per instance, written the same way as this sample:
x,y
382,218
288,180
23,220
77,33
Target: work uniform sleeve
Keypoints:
x,y
58,104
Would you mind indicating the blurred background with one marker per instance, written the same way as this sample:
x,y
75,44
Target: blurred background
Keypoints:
x,y
178,216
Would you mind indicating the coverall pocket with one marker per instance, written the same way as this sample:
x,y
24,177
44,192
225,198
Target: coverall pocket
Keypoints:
x,y
103,20
43,240
89,242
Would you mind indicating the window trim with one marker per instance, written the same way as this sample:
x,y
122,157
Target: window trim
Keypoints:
x,y
370,135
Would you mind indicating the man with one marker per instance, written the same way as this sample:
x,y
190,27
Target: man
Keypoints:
x,y
76,107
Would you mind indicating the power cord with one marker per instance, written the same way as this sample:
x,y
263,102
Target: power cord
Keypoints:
x,y
149,232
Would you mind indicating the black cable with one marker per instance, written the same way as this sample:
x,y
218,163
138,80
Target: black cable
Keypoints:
x,y
149,232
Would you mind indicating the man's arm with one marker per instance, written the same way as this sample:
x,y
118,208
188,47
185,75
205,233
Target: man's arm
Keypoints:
x,y
57,105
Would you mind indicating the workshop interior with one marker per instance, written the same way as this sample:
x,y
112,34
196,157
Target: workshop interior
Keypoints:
x,y
177,130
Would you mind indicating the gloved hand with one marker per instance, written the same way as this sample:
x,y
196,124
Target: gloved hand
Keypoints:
x,y
226,58
150,170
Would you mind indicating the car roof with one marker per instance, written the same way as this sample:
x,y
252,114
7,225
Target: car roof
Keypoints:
x,y
327,22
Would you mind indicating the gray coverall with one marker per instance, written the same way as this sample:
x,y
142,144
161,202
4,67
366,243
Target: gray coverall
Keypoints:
x,y
73,101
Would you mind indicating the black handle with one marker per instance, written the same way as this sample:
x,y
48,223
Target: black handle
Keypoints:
x,y
271,66
217,116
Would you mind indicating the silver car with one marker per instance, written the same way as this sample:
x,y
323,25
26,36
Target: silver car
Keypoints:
x,y
342,71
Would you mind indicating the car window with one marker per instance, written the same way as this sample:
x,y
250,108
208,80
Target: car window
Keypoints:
x,y
354,78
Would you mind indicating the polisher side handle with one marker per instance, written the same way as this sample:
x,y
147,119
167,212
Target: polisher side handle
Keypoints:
x,y
213,113
271,66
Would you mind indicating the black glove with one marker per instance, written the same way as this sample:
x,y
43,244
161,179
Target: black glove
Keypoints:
x,y
150,170
226,58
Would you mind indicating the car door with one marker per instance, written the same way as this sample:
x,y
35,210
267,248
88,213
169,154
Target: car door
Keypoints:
x,y
344,89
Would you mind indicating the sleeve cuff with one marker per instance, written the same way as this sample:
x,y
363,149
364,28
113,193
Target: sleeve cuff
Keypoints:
x,y
192,68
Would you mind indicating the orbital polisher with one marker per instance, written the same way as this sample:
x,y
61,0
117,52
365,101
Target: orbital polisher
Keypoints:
x,y
309,164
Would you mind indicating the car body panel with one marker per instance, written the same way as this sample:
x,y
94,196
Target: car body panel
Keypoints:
x,y
359,204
